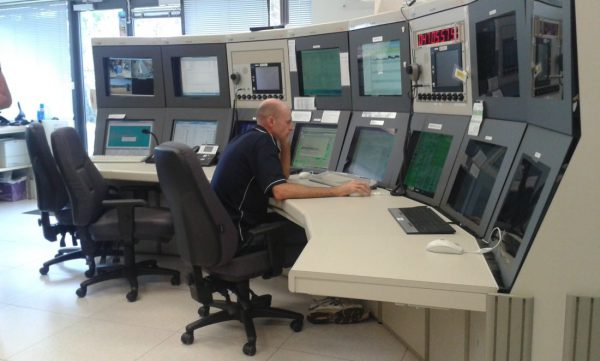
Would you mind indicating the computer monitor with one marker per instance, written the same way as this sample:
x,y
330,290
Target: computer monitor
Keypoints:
x,y
320,72
480,172
552,86
499,56
373,148
129,76
266,78
196,75
127,137
195,132
313,146
445,60
531,184
244,121
377,60
320,65
432,149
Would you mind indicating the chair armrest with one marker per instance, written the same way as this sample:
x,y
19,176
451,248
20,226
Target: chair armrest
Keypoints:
x,y
125,215
273,235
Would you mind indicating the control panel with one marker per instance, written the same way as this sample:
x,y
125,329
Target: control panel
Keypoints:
x,y
440,66
258,71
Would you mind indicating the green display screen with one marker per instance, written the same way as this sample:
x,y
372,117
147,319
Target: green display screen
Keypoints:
x,y
380,69
128,134
427,162
314,147
320,69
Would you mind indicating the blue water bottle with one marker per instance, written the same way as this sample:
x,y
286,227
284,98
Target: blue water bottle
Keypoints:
x,y
40,113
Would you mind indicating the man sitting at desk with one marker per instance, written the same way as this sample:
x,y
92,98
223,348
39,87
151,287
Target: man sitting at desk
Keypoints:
x,y
256,165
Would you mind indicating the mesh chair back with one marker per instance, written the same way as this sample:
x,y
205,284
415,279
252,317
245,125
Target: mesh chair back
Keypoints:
x,y
204,232
51,193
85,185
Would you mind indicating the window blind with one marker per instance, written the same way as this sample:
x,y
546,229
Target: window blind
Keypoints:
x,y
300,12
205,17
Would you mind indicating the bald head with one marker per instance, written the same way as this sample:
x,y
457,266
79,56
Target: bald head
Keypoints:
x,y
275,116
270,108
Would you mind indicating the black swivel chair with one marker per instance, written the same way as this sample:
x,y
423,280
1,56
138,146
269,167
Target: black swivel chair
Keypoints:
x,y
207,241
100,220
52,197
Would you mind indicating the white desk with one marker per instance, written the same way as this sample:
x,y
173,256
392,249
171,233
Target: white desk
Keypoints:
x,y
356,249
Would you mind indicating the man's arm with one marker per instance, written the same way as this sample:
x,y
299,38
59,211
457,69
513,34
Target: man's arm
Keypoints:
x,y
285,157
5,97
284,191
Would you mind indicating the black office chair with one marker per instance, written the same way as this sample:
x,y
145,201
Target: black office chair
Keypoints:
x,y
52,197
207,241
100,220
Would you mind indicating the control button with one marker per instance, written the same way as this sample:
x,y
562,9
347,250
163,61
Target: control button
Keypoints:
x,y
420,96
461,97
454,97
280,96
438,96
239,96
444,97
243,96
270,96
428,95
253,96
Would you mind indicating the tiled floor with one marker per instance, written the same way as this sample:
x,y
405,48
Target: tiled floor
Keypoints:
x,y
41,318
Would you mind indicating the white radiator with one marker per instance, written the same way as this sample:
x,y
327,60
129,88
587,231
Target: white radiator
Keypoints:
x,y
582,329
509,325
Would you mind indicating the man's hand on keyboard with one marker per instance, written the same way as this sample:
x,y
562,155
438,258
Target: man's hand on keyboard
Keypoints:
x,y
355,186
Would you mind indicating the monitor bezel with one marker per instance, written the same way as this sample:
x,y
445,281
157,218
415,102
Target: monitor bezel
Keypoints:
x,y
387,32
104,99
341,126
156,115
316,42
367,119
507,134
453,125
551,149
513,108
172,54
221,116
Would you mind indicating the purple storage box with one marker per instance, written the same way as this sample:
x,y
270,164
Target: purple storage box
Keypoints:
x,y
13,190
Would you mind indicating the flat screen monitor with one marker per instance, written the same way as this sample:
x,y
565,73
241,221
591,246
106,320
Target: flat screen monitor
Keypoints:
x,y
126,137
370,152
130,76
428,157
199,76
266,78
497,57
524,192
475,179
380,69
445,60
313,146
320,72
195,132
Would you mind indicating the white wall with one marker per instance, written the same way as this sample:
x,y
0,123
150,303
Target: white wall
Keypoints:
x,y
325,11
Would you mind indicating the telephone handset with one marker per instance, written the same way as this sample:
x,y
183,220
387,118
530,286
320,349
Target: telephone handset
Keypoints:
x,y
207,154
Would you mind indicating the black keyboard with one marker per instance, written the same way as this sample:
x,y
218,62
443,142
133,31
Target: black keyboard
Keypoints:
x,y
420,220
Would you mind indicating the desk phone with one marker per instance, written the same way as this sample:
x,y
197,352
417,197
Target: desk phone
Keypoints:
x,y
207,154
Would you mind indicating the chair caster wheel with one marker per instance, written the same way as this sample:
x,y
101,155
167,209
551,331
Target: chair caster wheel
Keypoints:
x,y
132,295
81,292
44,270
203,311
296,325
175,280
89,273
249,349
187,338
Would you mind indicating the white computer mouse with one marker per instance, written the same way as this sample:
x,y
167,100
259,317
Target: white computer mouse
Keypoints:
x,y
444,246
303,175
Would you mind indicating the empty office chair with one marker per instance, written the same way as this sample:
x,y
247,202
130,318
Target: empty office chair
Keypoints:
x,y
100,220
207,241
52,197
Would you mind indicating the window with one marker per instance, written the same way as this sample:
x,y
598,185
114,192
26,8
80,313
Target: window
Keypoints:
x,y
36,58
204,17
157,21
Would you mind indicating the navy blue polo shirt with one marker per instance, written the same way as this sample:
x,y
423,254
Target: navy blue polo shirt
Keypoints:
x,y
245,175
